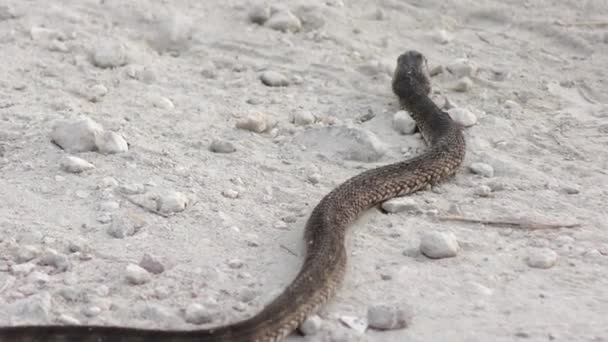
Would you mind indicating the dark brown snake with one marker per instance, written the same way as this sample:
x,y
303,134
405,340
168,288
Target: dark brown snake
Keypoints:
x,y
325,262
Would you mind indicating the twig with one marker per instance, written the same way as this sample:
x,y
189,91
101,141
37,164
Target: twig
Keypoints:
x,y
598,23
512,223
289,250
150,210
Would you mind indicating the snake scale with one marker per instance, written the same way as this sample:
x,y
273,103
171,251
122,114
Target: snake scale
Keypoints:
x,y
325,263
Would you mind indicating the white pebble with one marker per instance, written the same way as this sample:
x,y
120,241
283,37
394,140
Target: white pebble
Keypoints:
x,y
25,253
109,206
400,204
314,178
75,165
311,325
437,245
482,169
541,258
358,324
283,20
388,317
222,146
110,143
22,269
463,85
69,320
259,14
172,202
136,275
462,67
235,263
109,54
96,92
463,116
43,33
403,123
38,278
273,78
91,311
151,264
442,37
483,191
255,122
76,136
303,118
162,102
230,193
198,314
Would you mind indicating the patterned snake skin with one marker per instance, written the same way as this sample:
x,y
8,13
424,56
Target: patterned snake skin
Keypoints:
x,y
325,262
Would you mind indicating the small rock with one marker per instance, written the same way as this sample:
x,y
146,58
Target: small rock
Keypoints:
x,y
38,278
69,320
247,295
482,169
463,116
442,37
119,228
314,178
198,314
483,191
463,85
136,275
22,269
436,70
110,143
229,193
162,102
358,324
541,258
303,118
259,14
273,78
311,325
77,136
512,105
96,92
256,122
43,33
25,253
400,204
91,311
283,20
235,264
78,244
570,190
389,317
109,206
151,264
437,245
462,67
403,123
57,260
172,202
222,146
75,165
109,54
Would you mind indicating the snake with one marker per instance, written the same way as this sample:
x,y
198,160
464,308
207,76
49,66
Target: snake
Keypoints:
x,y
324,266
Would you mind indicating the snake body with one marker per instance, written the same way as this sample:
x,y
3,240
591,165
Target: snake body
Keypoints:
x,y
325,263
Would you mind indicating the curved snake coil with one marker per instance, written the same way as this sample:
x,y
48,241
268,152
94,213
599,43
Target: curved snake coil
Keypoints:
x,y
325,262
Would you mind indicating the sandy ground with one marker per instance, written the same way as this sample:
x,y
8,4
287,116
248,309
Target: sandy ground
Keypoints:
x,y
539,95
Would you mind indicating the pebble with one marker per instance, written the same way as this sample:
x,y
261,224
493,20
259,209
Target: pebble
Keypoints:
x,y
400,204
111,142
483,191
463,116
482,169
119,228
96,92
273,78
314,178
463,85
43,33
442,37
235,263
541,258
25,253
172,202
259,14
78,244
151,264
403,123
389,317
109,54
22,269
162,102
255,122
38,278
462,67
76,136
283,20
222,146
109,206
303,118
311,325
57,260
570,190
136,275
230,193
198,314
69,320
73,164
437,245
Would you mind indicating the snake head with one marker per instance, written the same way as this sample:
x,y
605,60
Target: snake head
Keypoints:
x,y
411,77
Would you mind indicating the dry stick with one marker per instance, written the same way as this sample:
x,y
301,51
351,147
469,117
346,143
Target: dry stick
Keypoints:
x,y
598,23
150,210
514,223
